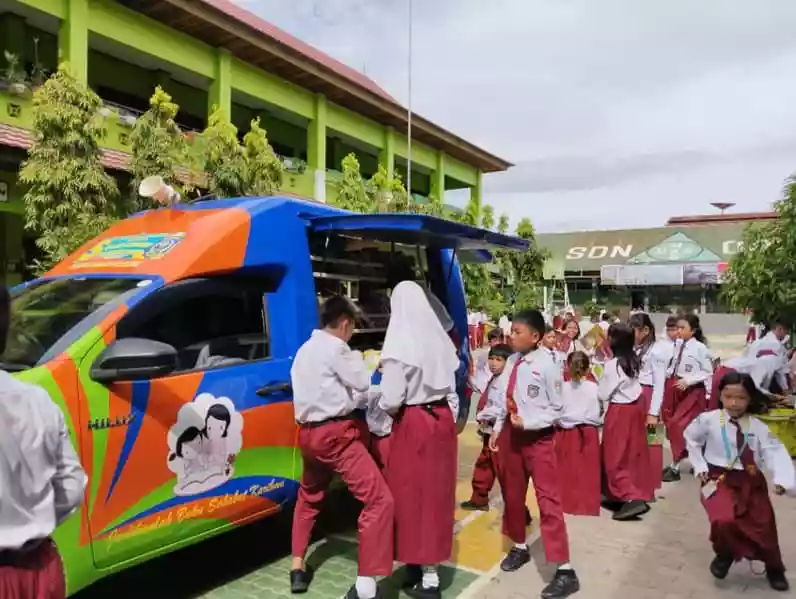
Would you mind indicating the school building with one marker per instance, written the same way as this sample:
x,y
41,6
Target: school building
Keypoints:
x,y
209,53
679,265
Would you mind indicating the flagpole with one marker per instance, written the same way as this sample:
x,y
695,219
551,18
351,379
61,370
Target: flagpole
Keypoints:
x,y
409,111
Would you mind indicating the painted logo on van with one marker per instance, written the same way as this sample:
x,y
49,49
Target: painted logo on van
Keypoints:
x,y
203,444
130,249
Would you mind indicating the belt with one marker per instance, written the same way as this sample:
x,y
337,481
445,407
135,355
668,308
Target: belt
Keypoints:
x,y
355,415
540,433
428,407
648,386
10,557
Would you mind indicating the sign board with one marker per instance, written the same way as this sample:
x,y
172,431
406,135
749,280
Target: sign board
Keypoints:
x,y
627,275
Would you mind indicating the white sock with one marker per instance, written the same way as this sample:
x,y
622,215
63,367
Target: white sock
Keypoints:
x,y
430,577
675,466
566,566
366,587
523,546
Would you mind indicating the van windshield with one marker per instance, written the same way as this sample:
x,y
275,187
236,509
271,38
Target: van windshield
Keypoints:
x,y
46,314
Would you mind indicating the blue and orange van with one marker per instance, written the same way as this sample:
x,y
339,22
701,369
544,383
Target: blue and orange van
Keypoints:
x,y
168,340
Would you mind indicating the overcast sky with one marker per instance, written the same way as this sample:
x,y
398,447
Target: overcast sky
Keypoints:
x,y
617,113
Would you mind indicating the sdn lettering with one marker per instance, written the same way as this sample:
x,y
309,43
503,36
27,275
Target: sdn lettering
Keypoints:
x,y
599,252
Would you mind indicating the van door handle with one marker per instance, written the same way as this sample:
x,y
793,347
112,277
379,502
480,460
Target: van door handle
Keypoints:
x,y
274,389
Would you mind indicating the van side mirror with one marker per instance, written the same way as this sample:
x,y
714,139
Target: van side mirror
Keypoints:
x,y
134,359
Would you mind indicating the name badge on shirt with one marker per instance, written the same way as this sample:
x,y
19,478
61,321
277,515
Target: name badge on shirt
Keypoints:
x,y
688,368
709,489
533,391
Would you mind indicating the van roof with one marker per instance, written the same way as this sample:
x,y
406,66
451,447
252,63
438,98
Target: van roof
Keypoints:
x,y
214,236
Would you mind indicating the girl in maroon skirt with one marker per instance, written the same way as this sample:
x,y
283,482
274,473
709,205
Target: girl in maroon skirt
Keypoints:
x,y
624,449
418,389
577,440
685,396
728,449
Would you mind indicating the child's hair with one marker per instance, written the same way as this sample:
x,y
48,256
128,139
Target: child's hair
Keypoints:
x,y
578,365
494,334
671,321
757,401
606,317
336,309
219,412
500,351
779,321
641,320
693,322
189,434
532,319
622,341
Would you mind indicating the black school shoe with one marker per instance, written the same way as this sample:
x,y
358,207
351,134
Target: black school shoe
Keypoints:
x,y
515,559
300,580
418,591
413,575
777,580
352,593
474,507
564,584
720,566
670,475
631,509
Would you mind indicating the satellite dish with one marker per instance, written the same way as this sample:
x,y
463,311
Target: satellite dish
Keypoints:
x,y
155,187
722,205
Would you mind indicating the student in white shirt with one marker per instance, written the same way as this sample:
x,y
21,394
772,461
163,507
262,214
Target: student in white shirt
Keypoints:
x,y
326,376
577,439
41,483
493,397
569,342
527,450
505,325
418,389
773,344
624,444
729,449
763,370
685,396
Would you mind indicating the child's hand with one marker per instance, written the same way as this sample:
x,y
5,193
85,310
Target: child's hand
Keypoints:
x,y
703,477
493,442
516,421
652,420
779,490
682,384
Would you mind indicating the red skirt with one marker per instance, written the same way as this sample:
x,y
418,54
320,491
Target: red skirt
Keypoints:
x,y
714,389
655,470
625,454
680,409
36,574
421,473
380,450
742,522
578,463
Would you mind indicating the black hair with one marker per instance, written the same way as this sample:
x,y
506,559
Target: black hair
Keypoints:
x,y
779,321
578,364
606,316
671,321
622,341
219,412
641,320
758,403
566,324
532,319
494,334
501,350
5,317
335,309
693,322
189,434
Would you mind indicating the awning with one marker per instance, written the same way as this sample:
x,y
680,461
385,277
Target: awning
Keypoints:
x,y
418,229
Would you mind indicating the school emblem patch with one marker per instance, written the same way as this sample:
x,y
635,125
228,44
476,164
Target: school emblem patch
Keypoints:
x,y
533,391
689,367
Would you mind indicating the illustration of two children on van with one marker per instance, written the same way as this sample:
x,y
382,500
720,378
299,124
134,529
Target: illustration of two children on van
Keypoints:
x,y
203,444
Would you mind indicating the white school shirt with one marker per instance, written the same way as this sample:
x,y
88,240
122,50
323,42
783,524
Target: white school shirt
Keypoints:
x,y
705,443
379,422
695,365
762,370
505,325
402,384
482,375
41,479
616,387
537,390
325,376
495,404
654,363
768,342
581,404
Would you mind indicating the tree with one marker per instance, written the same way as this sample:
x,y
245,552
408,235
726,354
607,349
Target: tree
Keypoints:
x,y
264,170
222,158
503,224
527,268
762,275
70,197
488,217
388,194
352,194
158,146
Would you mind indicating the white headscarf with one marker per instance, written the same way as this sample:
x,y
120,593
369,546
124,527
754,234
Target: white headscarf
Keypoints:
x,y
415,337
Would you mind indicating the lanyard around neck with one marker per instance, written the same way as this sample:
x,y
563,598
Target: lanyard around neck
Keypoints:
x,y
725,437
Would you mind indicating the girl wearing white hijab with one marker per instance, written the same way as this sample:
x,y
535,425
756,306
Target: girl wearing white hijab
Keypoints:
x,y
418,388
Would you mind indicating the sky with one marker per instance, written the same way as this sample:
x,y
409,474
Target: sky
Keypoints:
x,y
616,113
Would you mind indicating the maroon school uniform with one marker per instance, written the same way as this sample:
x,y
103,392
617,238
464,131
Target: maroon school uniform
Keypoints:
x,y
36,573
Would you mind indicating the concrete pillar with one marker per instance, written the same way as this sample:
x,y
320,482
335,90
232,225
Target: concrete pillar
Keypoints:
x,y
220,94
438,178
316,148
387,154
477,191
73,39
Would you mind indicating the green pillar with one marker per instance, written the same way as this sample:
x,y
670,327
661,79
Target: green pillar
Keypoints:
x,y
316,148
220,95
73,39
438,178
477,191
387,155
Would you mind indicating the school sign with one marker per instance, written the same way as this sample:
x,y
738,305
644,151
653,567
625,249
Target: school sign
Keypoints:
x,y
661,256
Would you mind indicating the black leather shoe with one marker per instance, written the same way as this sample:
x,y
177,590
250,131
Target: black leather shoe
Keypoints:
x,y
352,593
418,591
777,580
720,566
300,580
413,575
670,475
515,559
564,584
474,507
631,509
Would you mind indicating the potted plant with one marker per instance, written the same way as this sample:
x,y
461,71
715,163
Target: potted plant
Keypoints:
x,y
14,75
